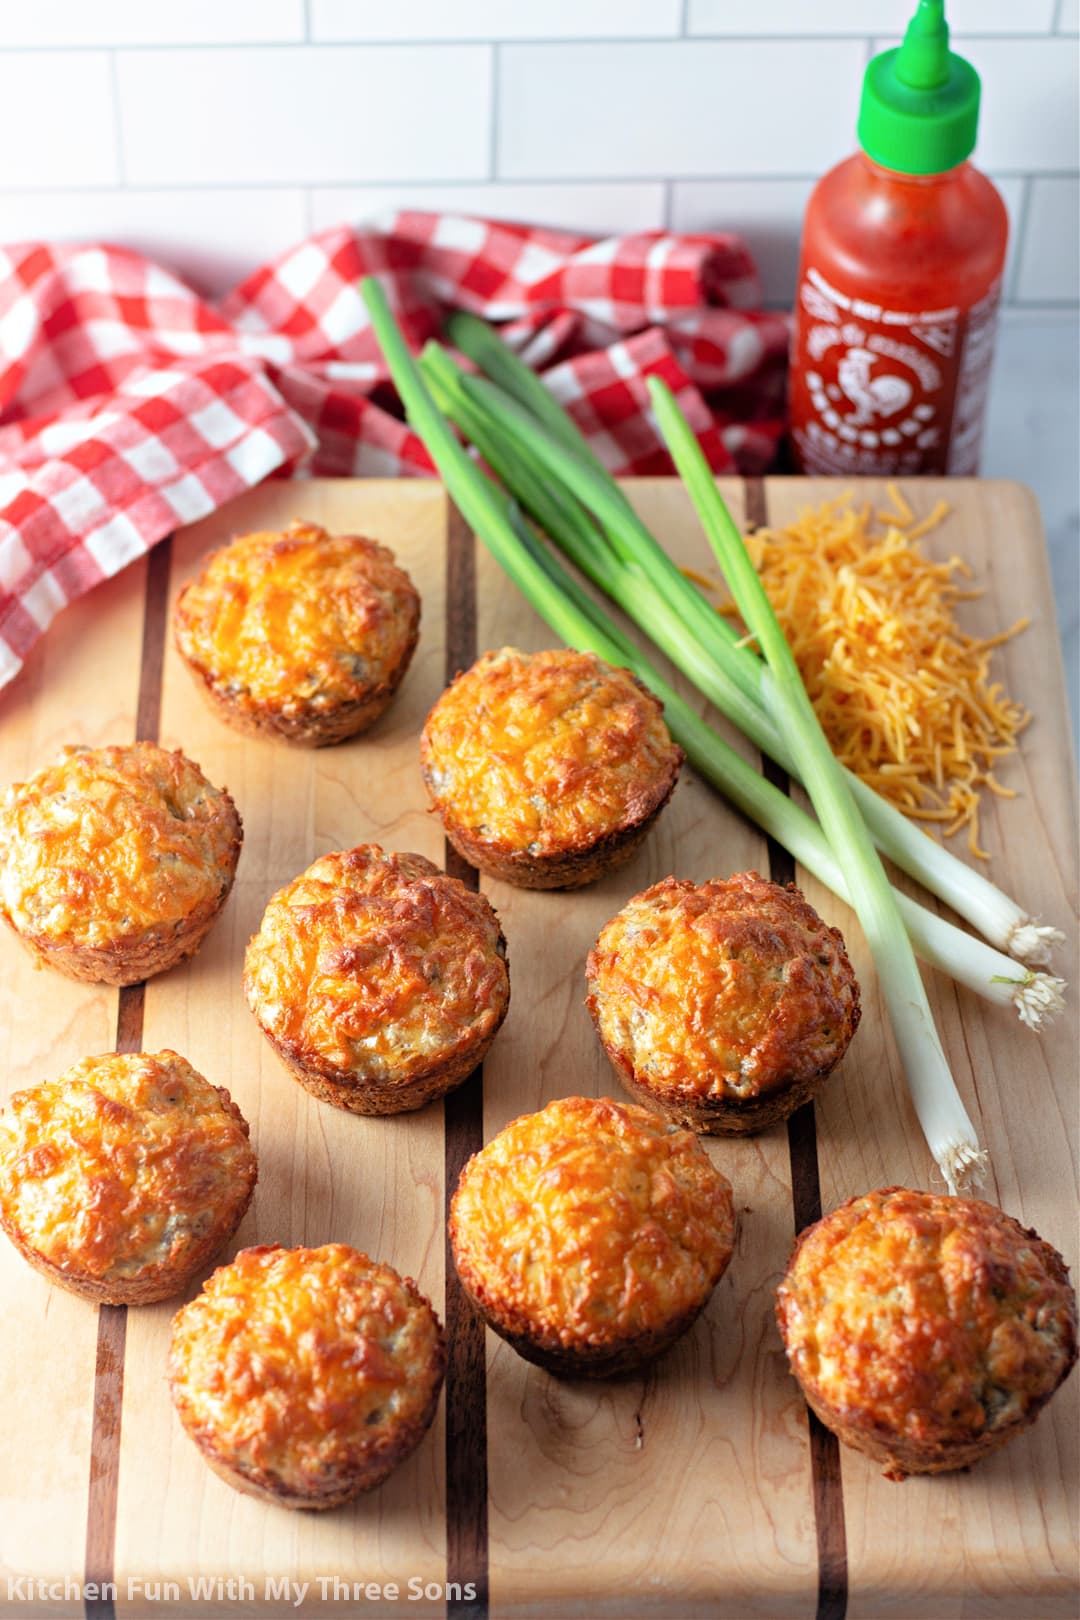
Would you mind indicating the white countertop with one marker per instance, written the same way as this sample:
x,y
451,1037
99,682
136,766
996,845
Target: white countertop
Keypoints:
x,y
1033,434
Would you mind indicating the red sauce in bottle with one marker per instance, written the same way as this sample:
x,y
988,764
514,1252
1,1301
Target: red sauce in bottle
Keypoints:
x,y
899,280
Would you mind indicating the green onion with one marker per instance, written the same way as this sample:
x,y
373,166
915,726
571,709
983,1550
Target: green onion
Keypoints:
x,y
948,1129
1035,996
478,500
475,338
566,522
579,621
559,601
540,434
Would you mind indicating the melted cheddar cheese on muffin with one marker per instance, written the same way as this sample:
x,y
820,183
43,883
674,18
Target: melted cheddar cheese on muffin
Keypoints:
x,y
115,861
305,1375
926,1329
590,1235
722,1003
122,1178
536,761
304,635
379,980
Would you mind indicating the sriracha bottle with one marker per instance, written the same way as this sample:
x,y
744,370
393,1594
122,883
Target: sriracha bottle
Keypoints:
x,y
902,253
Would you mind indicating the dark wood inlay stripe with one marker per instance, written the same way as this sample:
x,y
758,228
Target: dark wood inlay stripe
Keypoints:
x,y
155,630
824,1446
466,1369
105,1459
100,1554
129,1018
806,1204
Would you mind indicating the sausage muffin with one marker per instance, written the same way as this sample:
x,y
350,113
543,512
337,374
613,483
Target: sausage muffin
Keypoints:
x,y
304,1376
723,1004
590,1235
122,1179
115,862
547,768
925,1330
303,636
379,981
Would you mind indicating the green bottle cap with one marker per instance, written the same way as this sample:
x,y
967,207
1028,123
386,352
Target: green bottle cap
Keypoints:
x,y
920,102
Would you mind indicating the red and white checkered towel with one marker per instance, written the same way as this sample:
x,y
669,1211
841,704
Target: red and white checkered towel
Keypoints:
x,y
130,406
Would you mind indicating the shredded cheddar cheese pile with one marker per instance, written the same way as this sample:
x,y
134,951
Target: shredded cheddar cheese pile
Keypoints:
x,y
904,697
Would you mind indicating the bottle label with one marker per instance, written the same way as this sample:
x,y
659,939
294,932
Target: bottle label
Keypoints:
x,y
883,391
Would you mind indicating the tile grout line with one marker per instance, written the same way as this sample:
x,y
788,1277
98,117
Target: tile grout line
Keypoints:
x,y
466,1370
493,113
117,122
827,1485
1011,286
568,182
103,1487
326,43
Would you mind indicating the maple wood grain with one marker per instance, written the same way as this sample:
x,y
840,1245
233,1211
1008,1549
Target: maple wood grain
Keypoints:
x,y
80,685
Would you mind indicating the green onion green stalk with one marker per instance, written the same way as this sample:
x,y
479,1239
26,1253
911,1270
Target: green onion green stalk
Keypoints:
x,y
946,1125
580,621
1036,996
520,414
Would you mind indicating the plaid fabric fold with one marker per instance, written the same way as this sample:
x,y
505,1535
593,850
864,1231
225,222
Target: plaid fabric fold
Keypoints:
x,y
130,406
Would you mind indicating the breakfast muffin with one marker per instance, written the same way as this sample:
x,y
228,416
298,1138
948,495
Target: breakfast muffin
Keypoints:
x,y
123,1178
723,1004
305,1376
115,862
303,635
379,981
925,1330
590,1235
547,768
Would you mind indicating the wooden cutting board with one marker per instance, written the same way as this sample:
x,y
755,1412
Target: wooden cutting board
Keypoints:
x,y
696,1490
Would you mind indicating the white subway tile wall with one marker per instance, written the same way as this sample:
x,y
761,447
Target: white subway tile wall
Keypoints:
x,y
1051,250
495,19
57,119
591,207
134,22
299,115
863,16
678,108
214,133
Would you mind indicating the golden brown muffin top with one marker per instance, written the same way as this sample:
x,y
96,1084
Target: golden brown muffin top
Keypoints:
x,y
301,615
547,751
108,842
934,1317
123,1166
592,1222
296,1365
731,987
376,964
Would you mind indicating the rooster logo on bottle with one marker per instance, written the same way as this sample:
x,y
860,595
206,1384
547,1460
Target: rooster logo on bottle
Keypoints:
x,y
868,401
873,397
